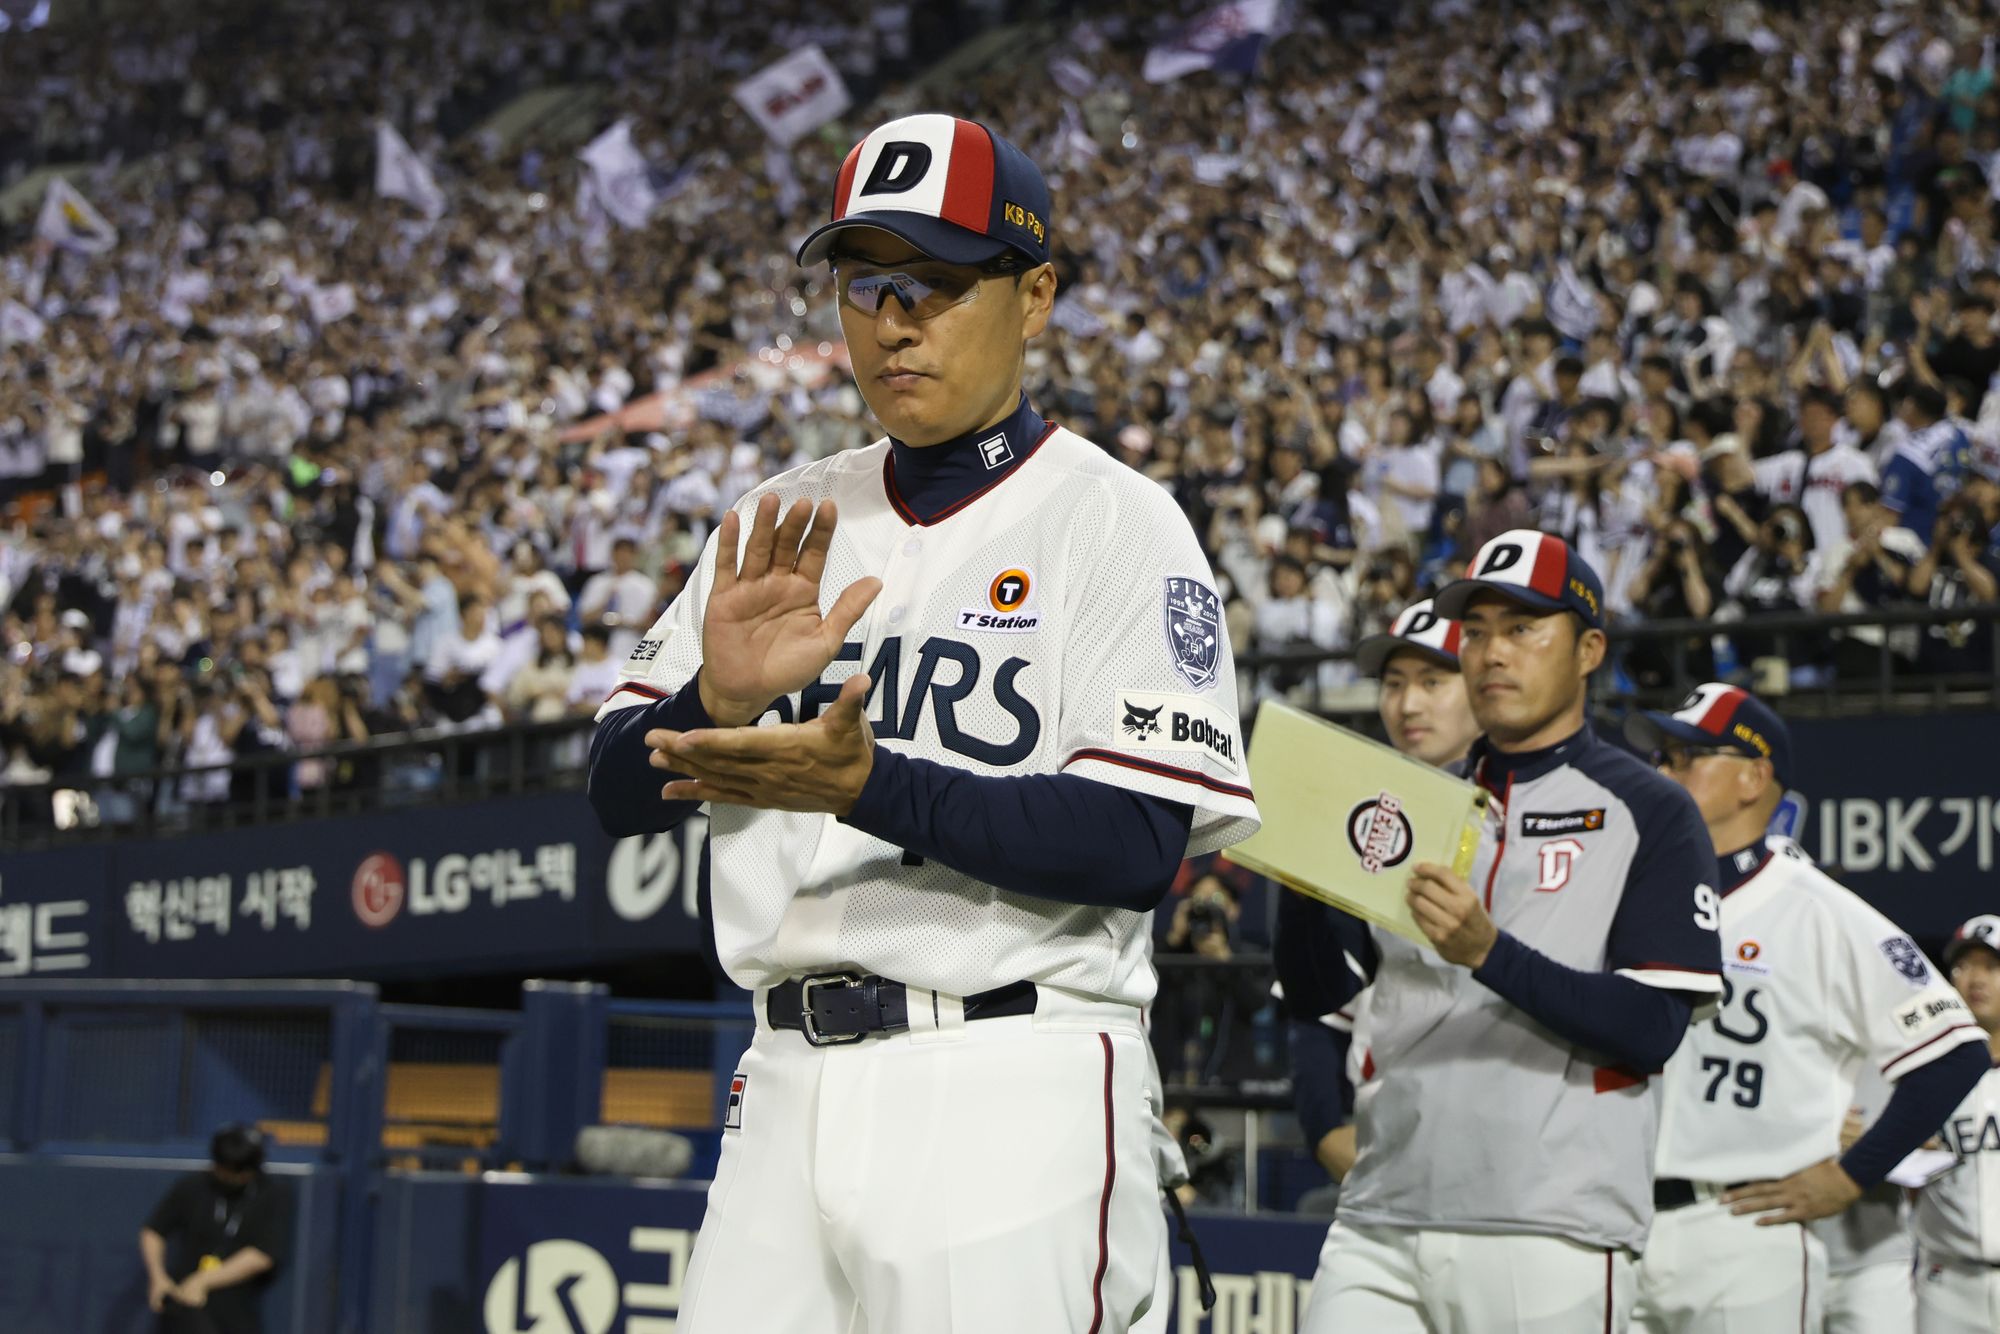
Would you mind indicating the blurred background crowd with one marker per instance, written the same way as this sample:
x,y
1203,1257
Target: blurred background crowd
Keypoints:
x,y
1710,291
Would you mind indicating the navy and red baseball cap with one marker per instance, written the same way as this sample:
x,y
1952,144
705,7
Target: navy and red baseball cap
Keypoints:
x,y
950,187
1418,630
1981,930
1534,569
1718,715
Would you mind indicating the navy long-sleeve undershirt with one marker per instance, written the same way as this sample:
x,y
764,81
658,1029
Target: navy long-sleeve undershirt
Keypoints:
x,y
1047,836
1923,1100
1636,1025
623,786
1319,1078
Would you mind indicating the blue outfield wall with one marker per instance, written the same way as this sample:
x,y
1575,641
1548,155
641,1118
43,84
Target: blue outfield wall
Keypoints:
x,y
69,1245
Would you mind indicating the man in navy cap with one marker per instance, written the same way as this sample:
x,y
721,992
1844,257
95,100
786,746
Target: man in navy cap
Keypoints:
x,y
1817,985
998,710
1506,1137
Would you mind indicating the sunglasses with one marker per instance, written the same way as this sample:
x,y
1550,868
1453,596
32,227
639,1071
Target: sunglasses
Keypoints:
x,y
1677,757
925,294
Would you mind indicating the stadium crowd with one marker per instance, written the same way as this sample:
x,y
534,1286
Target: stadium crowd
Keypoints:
x,y
1710,292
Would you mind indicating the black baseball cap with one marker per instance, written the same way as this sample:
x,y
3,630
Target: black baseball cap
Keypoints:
x,y
950,187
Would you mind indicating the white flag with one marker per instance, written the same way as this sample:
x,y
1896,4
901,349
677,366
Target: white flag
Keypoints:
x,y
401,174
330,303
18,324
1227,37
619,179
68,221
795,96
1572,303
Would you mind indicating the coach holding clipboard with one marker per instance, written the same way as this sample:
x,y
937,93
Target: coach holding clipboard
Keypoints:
x,y
1504,1176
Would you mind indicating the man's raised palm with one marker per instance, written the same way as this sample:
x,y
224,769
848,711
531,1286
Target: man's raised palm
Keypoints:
x,y
762,634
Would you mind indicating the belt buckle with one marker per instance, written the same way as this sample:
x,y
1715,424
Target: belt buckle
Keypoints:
x,y
807,985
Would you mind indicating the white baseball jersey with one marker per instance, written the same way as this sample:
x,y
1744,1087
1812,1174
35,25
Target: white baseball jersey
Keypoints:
x,y
1061,621
1815,983
1958,1213
1875,1229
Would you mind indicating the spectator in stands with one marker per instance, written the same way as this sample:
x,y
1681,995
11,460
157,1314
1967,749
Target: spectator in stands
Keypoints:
x,y
1929,466
1817,471
621,599
1203,1031
1961,568
213,1243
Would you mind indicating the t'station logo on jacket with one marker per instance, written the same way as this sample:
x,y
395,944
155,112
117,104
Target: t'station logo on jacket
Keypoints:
x,y
1544,825
1006,611
1379,833
1194,629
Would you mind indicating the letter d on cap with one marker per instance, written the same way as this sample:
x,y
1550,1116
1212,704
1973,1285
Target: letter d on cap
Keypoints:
x,y
902,164
1504,557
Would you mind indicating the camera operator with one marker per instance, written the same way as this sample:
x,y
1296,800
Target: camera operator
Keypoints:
x,y
1778,574
1674,584
1961,568
1202,1022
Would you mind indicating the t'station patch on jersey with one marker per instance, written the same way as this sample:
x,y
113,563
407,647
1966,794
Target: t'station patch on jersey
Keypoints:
x,y
1149,720
1194,629
1006,605
732,1115
1542,824
1904,956
1923,1015
646,650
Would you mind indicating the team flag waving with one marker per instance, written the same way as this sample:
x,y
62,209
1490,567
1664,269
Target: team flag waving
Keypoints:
x,y
1227,37
68,221
619,180
795,96
401,174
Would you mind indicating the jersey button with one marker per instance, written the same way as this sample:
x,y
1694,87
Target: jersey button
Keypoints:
x,y
913,547
896,615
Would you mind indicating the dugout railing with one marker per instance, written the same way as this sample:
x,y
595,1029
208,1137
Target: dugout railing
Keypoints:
x,y
1877,661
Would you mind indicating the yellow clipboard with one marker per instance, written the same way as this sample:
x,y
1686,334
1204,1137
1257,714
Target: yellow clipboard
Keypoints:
x,y
1345,817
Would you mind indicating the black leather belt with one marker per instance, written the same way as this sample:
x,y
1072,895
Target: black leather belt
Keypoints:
x,y
835,1008
1676,1193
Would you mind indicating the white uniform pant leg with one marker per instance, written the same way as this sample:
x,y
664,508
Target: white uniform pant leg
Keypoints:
x,y
1708,1271
993,1179
1401,1281
763,1261
1517,1283
1873,1299
1366,1280
1957,1299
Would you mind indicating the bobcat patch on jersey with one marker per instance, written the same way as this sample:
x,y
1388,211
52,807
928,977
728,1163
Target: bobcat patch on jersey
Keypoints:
x,y
1928,1014
1194,629
1904,956
1149,720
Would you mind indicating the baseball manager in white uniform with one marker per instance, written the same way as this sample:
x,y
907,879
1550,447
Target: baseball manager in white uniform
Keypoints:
x,y
1815,982
959,703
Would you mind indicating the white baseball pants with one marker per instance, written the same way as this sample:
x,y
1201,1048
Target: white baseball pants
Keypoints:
x,y
1954,1297
1708,1271
983,1177
1874,1299
1378,1280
